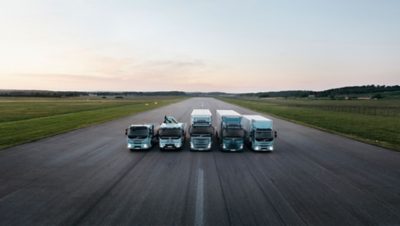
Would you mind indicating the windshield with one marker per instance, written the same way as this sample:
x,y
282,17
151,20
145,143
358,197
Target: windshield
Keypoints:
x,y
170,132
264,135
234,133
201,120
201,131
138,132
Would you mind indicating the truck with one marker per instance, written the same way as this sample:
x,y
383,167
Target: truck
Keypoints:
x,y
230,133
140,136
201,130
259,132
171,134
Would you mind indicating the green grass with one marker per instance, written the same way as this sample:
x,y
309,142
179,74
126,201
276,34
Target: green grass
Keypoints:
x,y
372,121
27,119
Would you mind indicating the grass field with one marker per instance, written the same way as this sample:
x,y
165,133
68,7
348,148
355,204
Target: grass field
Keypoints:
x,y
372,121
27,119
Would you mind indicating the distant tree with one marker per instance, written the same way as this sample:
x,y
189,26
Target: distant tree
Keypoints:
x,y
264,95
377,96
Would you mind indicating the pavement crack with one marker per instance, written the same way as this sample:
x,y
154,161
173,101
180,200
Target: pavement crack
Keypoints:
x,y
91,204
222,191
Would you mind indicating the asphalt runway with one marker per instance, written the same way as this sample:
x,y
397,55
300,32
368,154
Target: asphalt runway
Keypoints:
x,y
88,177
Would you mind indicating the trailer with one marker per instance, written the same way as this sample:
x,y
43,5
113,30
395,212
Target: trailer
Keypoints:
x,y
259,132
201,130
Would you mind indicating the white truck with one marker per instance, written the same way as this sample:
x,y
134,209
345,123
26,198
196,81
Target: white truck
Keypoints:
x,y
229,131
201,130
259,132
171,134
140,136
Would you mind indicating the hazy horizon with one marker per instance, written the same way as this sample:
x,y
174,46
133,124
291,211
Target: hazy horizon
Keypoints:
x,y
198,46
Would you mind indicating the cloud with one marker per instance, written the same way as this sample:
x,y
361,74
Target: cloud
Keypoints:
x,y
110,73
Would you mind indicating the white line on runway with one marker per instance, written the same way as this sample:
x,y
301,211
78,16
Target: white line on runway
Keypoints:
x,y
199,217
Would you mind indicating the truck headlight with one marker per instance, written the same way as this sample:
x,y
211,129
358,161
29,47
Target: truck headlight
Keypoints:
x,y
257,148
224,146
145,146
191,145
178,145
270,148
209,146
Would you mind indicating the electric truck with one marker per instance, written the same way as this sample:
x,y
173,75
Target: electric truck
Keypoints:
x,y
171,134
259,132
230,133
201,130
140,136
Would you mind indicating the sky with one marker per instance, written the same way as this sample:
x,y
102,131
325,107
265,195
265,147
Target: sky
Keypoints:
x,y
207,45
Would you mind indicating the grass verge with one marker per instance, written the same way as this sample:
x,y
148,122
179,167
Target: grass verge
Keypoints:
x,y
381,130
35,127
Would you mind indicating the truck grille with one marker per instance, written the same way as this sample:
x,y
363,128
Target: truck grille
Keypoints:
x,y
200,142
137,141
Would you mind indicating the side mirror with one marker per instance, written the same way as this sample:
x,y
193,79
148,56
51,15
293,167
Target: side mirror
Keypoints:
x,y
276,134
126,132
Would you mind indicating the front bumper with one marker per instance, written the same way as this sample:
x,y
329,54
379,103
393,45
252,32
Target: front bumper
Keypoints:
x,y
230,147
138,146
170,146
201,148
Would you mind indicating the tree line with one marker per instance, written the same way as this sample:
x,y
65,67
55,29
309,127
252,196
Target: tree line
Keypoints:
x,y
368,90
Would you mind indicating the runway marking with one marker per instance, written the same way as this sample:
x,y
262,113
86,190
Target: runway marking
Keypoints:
x,y
199,217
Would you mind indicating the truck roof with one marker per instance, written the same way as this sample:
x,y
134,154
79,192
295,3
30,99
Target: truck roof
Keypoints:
x,y
227,113
141,125
201,112
257,121
256,118
171,125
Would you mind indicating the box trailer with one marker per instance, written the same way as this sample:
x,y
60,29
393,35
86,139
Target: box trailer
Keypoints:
x,y
201,130
259,132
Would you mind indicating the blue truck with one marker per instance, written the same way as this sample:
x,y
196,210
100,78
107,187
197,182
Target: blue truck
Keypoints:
x,y
230,133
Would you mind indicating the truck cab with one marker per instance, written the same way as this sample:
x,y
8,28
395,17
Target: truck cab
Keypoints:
x,y
230,132
140,136
201,130
171,134
259,132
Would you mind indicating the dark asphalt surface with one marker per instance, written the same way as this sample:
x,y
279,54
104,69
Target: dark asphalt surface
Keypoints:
x,y
88,177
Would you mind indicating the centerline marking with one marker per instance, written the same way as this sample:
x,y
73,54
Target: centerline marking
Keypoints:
x,y
199,216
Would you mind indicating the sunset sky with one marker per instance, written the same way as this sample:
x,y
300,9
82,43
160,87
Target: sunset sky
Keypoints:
x,y
207,45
